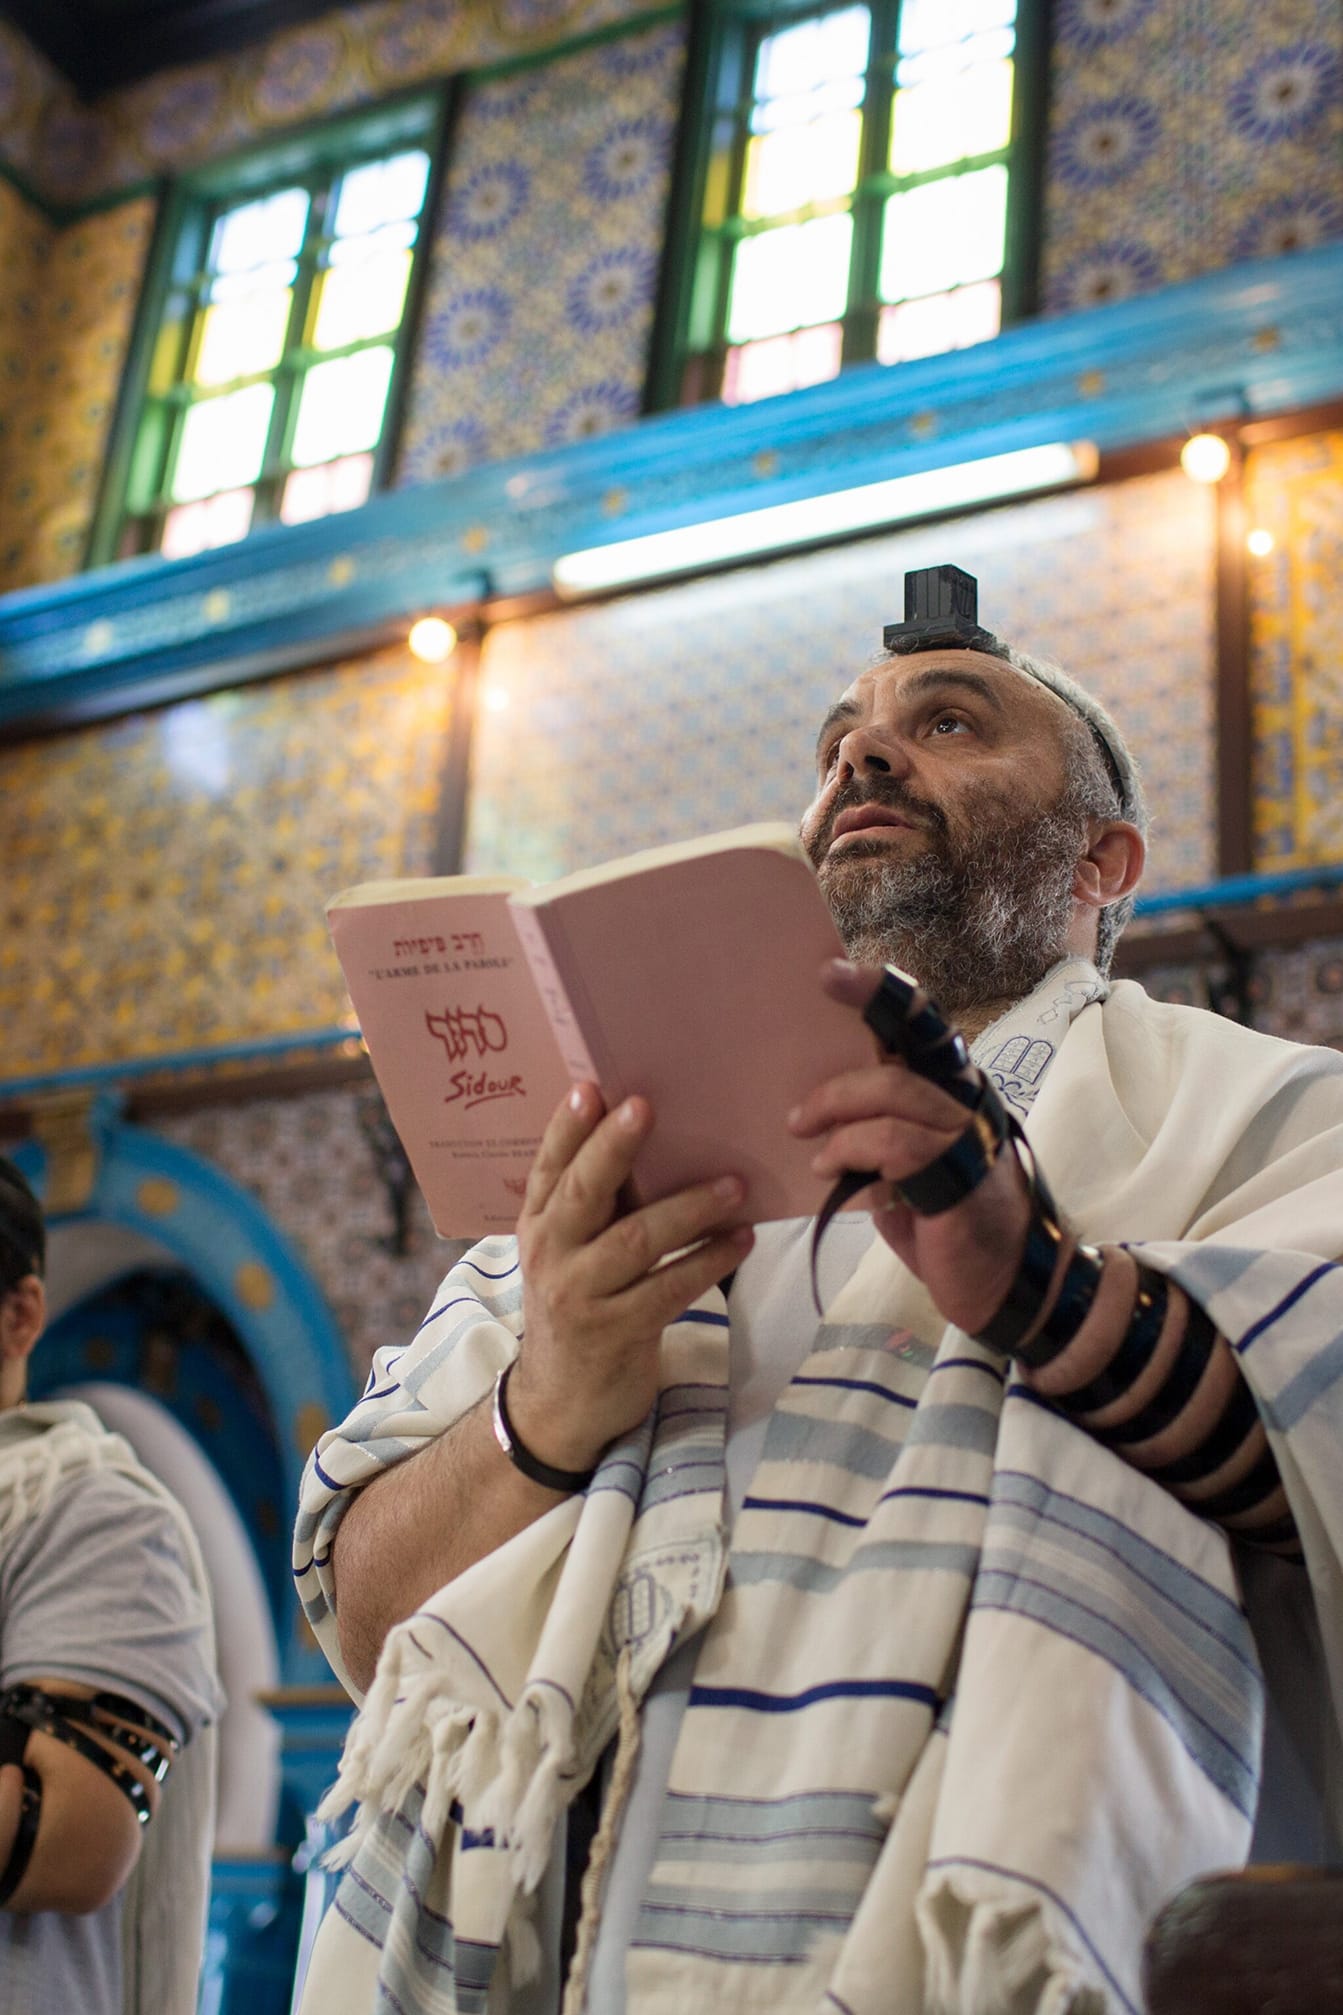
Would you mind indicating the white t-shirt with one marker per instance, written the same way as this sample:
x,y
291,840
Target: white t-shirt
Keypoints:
x,y
772,1328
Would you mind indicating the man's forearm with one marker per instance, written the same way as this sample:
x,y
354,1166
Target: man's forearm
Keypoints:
x,y
421,1524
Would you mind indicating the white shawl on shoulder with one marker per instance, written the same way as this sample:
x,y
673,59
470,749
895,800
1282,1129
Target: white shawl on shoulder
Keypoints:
x,y
974,1698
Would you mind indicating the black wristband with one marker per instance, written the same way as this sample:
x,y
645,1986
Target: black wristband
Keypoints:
x,y
959,1169
1019,1311
571,1481
1182,1382
25,1836
1133,1354
1254,1488
1234,1425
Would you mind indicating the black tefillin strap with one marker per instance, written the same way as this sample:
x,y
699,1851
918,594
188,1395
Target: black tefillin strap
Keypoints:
x,y
66,1716
908,1025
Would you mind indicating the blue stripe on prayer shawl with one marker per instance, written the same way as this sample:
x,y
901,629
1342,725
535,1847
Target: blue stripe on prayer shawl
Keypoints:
x,y
810,1576
707,1315
1230,1766
1017,1494
993,1371
462,1301
1291,1405
770,1823
784,1936
931,1490
860,1385
1043,1889
1257,1329
799,1437
508,1270
834,1689
801,1504
947,1425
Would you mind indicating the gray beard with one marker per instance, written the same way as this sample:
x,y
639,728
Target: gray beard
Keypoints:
x,y
974,925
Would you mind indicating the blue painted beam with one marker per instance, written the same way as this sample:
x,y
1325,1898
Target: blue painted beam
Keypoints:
x,y
1246,342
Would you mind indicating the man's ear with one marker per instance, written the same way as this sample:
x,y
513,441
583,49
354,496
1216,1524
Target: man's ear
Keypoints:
x,y
1112,864
23,1315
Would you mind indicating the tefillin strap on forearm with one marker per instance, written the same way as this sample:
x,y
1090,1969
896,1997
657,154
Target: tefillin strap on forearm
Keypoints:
x,y
910,1026
66,1717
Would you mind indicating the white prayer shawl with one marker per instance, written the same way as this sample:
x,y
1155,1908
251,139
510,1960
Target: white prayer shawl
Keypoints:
x,y
974,1697
166,1896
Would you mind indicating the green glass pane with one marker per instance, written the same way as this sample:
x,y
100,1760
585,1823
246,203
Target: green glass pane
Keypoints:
x,y
948,118
801,164
239,338
814,68
359,300
222,442
341,406
944,233
789,278
940,322
927,24
257,233
380,192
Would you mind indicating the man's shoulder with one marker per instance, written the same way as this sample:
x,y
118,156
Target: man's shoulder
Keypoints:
x,y
1194,1036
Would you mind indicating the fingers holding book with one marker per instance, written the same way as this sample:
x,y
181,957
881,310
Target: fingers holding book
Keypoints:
x,y
599,1287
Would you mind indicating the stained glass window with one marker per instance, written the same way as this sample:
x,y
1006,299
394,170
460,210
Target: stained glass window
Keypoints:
x,y
864,167
273,363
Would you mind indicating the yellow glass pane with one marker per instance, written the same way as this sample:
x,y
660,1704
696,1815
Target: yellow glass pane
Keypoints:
x,y
790,278
801,164
358,299
952,117
944,233
239,338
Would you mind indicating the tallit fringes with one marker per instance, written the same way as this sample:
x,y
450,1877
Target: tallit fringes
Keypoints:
x,y
613,1811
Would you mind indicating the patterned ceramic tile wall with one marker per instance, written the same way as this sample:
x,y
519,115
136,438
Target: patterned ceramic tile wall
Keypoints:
x,y
1188,135
353,55
70,327
165,876
25,245
1294,489
1299,993
310,1164
694,708
539,307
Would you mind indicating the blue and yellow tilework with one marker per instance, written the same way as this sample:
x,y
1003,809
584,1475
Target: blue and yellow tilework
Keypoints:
x,y
1186,136
539,306
661,715
1294,489
165,875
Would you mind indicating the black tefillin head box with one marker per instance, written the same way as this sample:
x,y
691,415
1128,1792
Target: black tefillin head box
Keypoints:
x,y
941,614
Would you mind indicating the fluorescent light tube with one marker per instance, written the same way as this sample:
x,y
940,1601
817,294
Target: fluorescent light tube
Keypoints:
x,y
778,525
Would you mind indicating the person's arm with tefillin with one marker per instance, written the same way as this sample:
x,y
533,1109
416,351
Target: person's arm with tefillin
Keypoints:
x,y
1110,1342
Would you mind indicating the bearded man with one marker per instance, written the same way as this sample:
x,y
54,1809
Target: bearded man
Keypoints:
x,y
905,1657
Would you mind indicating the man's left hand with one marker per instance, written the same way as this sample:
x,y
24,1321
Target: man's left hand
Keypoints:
x,y
890,1119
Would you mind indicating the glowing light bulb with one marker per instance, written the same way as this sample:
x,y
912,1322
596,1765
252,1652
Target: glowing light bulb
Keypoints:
x,y
432,640
1205,458
1260,542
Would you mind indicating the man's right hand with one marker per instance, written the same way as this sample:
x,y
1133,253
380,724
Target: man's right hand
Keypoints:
x,y
599,1288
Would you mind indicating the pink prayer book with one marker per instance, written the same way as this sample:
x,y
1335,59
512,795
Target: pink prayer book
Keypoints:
x,y
687,973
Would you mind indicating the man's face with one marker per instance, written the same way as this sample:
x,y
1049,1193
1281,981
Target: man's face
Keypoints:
x,y
945,830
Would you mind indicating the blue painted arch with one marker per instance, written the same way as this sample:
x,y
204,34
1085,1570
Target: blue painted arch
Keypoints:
x,y
241,1260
